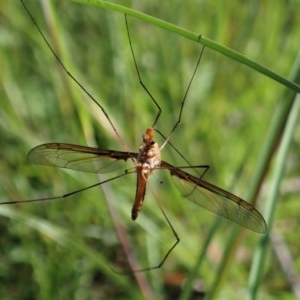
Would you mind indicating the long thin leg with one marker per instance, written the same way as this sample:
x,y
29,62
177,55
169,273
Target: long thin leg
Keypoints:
x,y
177,151
183,100
151,96
177,240
73,77
140,78
64,195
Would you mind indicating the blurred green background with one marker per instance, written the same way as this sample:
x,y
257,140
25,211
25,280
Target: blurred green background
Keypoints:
x,y
69,249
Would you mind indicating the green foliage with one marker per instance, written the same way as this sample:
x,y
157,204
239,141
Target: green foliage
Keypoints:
x,y
69,249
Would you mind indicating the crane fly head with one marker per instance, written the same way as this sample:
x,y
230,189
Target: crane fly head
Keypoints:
x,y
148,136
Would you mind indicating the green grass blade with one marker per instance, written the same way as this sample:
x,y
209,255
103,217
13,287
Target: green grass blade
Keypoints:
x,y
283,109
260,254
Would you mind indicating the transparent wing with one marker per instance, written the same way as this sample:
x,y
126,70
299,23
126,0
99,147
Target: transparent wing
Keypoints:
x,y
217,200
80,158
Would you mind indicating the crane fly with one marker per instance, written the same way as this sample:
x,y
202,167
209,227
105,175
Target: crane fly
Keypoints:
x,y
146,160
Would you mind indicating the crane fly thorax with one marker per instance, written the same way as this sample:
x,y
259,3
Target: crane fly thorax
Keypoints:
x,y
149,152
